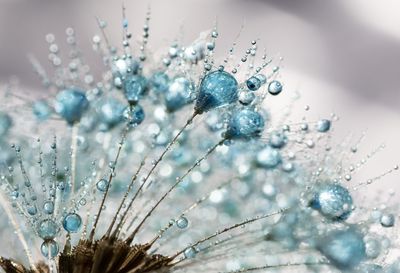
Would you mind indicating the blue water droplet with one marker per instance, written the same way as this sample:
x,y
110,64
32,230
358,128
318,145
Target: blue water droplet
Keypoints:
x,y
47,229
102,184
72,222
31,209
245,124
135,87
246,97
253,83
159,82
178,94
122,68
274,88
48,207
49,245
387,220
217,89
71,104
134,115
190,252
268,158
182,222
277,139
333,201
41,110
345,249
323,125
110,114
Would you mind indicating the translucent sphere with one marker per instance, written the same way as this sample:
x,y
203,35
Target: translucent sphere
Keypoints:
x,y
246,97
323,125
135,87
159,82
268,158
387,220
102,184
178,93
134,115
277,140
71,105
182,222
372,248
345,249
110,114
245,124
333,201
49,248
217,89
47,229
190,252
72,222
275,87
31,209
48,207
41,110
121,68
253,83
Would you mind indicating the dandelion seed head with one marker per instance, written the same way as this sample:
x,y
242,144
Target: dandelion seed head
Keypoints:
x,y
181,163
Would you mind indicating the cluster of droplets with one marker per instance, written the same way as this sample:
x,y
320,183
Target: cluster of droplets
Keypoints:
x,y
266,161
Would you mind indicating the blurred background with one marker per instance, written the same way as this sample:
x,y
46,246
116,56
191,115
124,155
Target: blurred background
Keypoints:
x,y
343,56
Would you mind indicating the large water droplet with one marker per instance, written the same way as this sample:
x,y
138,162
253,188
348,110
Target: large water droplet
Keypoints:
x,y
72,222
268,158
217,89
49,245
245,124
102,184
323,125
134,115
71,104
182,222
345,249
333,201
47,229
274,88
178,93
190,252
135,87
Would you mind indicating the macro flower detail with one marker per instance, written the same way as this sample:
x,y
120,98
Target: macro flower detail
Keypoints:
x,y
180,163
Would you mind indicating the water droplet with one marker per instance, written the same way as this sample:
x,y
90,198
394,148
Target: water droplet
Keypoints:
x,y
344,248
102,184
135,86
72,222
387,220
71,104
190,252
48,207
323,125
253,83
47,229
268,158
178,93
182,222
49,245
245,124
217,89
333,201
134,115
274,88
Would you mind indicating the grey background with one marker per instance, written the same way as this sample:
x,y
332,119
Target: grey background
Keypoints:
x,y
342,55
